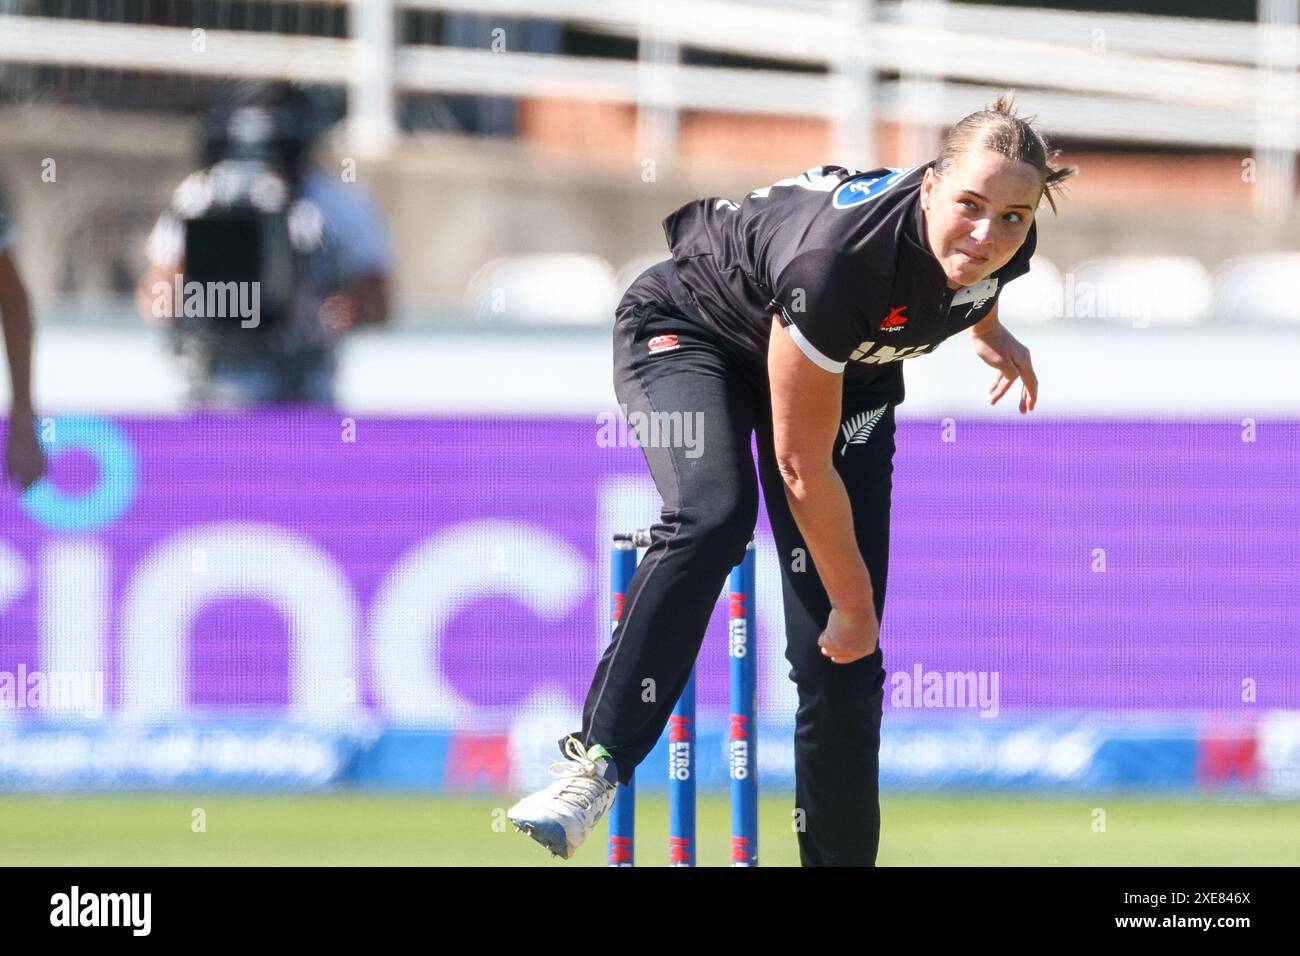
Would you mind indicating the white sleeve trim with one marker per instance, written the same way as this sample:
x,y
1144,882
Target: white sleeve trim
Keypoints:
x,y
810,350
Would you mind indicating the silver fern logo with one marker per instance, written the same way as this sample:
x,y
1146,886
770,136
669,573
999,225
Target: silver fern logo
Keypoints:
x,y
858,428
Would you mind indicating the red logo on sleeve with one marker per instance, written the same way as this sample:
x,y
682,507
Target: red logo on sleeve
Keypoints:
x,y
896,319
663,343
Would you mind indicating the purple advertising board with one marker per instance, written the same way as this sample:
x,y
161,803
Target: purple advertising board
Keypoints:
x,y
452,573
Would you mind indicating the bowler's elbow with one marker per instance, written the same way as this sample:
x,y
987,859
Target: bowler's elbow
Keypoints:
x,y
798,473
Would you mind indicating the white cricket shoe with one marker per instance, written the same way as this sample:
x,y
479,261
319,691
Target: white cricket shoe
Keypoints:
x,y
563,815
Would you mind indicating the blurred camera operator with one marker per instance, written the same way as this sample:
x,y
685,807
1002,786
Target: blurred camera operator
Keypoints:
x,y
263,261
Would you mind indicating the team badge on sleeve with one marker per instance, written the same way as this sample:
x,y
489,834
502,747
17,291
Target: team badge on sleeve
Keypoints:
x,y
663,343
857,191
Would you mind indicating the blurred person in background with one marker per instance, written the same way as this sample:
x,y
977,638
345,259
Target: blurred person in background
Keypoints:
x,y
788,315
24,457
309,253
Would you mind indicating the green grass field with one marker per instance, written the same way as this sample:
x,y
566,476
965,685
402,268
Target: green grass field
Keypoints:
x,y
347,829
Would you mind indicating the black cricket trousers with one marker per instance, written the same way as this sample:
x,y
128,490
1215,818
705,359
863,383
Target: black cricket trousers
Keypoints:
x,y
710,506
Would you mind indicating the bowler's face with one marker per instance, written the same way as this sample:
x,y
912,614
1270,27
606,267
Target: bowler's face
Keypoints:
x,y
978,214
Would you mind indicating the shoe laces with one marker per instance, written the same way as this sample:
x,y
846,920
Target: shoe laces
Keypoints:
x,y
585,784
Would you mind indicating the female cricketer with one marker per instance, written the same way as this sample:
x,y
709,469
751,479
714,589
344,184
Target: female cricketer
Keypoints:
x,y
788,316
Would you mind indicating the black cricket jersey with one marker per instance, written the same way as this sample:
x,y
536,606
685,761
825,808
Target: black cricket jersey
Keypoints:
x,y
841,255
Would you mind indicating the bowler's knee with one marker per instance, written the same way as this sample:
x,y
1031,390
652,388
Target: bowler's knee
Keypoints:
x,y
838,691
721,532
